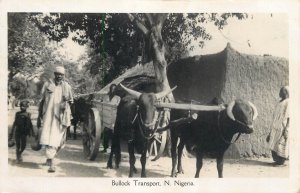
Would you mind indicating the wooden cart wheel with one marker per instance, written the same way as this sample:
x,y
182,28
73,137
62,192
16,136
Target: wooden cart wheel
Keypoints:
x,y
91,134
157,146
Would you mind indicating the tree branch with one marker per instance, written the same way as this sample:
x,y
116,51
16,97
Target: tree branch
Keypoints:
x,y
139,24
149,17
162,18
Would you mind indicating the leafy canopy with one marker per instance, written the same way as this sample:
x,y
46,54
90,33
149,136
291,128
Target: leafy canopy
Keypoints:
x,y
27,46
115,36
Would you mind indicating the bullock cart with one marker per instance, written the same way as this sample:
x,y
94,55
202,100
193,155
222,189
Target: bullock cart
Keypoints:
x,y
103,115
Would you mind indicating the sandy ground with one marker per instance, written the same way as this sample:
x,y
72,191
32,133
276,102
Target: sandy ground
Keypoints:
x,y
71,162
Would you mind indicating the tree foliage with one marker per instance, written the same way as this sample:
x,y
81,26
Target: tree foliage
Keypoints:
x,y
31,55
116,36
27,46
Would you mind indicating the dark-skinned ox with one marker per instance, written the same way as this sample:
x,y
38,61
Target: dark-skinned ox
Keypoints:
x,y
136,122
210,134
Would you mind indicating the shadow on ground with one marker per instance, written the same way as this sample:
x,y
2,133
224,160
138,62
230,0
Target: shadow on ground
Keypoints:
x,y
251,162
30,165
93,171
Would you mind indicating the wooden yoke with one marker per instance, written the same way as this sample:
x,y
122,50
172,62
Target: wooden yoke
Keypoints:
x,y
190,107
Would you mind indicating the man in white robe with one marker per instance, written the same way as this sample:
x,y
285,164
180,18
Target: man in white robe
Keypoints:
x,y
278,136
55,114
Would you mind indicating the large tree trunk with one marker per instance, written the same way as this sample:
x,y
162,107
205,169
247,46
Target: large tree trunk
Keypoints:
x,y
156,21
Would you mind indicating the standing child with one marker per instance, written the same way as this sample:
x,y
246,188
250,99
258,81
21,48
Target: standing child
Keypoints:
x,y
22,127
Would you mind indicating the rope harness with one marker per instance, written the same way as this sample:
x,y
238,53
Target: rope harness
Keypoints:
x,y
158,115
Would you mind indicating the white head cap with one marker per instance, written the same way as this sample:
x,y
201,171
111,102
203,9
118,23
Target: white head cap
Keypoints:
x,y
60,69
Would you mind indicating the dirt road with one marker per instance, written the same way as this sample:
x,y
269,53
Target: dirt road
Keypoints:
x,y
71,162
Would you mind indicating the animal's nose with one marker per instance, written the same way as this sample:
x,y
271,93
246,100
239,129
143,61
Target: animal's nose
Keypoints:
x,y
250,129
250,126
149,132
152,127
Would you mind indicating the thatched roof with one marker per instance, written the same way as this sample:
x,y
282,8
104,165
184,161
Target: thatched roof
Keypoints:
x,y
145,70
139,77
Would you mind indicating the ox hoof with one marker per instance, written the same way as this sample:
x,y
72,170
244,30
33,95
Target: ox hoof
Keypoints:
x,y
173,175
109,166
117,164
180,172
134,170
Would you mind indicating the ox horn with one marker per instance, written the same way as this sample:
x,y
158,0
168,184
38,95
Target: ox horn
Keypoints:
x,y
255,112
229,110
134,93
164,93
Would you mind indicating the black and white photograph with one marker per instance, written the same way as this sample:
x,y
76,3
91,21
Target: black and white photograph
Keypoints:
x,y
135,100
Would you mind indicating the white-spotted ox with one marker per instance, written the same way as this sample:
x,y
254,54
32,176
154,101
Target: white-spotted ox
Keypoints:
x,y
136,122
211,133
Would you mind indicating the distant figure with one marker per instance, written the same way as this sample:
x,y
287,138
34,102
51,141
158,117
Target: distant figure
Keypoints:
x,y
55,114
278,136
22,127
11,101
248,42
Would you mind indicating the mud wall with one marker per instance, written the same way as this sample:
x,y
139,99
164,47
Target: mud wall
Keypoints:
x,y
230,75
257,79
199,78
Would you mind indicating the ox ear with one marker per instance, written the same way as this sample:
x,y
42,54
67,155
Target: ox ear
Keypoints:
x,y
133,93
229,110
255,112
164,93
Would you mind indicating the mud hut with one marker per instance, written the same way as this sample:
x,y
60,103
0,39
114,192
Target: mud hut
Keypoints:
x,y
230,75
226,75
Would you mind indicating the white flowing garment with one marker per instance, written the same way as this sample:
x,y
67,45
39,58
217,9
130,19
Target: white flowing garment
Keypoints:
x,y
53,133
280,117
